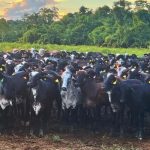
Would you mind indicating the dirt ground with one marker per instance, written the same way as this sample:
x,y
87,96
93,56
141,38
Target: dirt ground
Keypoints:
x,y
76,140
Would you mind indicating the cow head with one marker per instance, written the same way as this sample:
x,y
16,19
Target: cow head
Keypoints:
x,y
110,81
6,91
81,77
66,78
112,89
71,97
33,79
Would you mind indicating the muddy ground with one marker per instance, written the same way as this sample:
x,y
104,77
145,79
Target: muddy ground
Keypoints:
x,y
67,138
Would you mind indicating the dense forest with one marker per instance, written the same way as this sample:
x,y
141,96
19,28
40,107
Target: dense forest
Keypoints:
x,y
123,25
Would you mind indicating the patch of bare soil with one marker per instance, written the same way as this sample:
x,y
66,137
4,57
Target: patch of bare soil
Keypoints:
x,y
78,140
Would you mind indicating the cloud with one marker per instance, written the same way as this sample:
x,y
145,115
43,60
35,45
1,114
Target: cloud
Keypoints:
x,y
17,8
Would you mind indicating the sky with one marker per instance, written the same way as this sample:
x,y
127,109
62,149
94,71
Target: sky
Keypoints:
x,y
15,9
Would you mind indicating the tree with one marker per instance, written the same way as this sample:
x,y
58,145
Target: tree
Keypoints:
x,y
31,36
83,10
4,28
141,4
123,3
44,16
113,27
103,12
48,15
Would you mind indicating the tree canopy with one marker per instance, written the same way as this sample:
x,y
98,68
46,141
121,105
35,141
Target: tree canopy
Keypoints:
x,y
123,25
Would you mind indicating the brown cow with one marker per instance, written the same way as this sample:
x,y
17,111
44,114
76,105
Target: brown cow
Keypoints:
x,y
93,96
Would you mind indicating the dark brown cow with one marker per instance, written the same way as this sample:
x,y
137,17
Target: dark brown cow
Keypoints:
x,y
93,92
93,96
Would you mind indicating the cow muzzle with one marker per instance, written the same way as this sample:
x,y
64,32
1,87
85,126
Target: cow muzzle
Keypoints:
x,y
64,89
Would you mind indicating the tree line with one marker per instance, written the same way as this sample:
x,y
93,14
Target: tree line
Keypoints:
x,y
123,25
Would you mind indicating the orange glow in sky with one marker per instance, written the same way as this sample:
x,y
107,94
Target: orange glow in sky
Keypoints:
x,y
15,9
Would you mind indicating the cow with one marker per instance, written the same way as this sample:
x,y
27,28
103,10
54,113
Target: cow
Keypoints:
x,y
14,92
93,97
127,94
71,96
44,91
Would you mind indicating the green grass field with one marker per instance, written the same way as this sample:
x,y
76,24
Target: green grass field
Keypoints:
x,y
82,48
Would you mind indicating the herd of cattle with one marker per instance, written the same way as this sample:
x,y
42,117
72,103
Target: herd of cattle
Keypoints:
x,y
73,86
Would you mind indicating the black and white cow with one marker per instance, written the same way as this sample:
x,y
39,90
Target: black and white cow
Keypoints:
x,y
44,91
71,96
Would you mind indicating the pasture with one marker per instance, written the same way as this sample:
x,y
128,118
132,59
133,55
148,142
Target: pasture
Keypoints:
x,y
82,48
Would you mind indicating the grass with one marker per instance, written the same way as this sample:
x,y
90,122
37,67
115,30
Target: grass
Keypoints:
x,y
56,138
82,48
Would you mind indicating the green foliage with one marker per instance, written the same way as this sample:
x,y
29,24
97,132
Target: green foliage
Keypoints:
x,y
4,27
109,27
30,36
85,48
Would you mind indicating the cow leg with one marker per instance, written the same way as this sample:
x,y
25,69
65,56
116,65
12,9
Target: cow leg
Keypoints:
x,y
140,125
113,122
66,116
41,131
3,120
59,106
26,110
6,118
46,119
21,113
96,118
92,119
122,121
81,115
43,120
32,122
